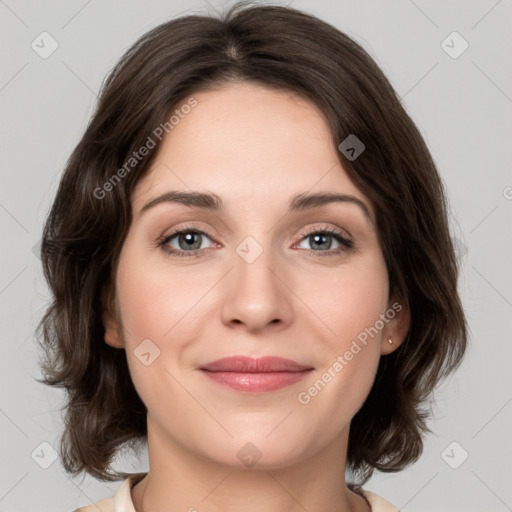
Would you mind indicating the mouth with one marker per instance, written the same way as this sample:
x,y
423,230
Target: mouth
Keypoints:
x,y
255,375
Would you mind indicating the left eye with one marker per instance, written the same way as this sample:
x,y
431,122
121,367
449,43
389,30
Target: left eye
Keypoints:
x,y
323,240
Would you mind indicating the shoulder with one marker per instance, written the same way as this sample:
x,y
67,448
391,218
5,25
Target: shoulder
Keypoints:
x,y
120,502
378,503
106,505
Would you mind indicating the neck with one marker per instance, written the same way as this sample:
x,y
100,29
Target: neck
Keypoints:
x,y
179,479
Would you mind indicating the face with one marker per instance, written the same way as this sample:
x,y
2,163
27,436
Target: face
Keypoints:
x,y
267,273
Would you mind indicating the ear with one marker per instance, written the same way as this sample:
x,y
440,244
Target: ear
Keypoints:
x,y
113,336
398,322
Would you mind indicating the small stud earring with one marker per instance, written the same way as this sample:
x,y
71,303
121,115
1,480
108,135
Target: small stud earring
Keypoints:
x,y
390,341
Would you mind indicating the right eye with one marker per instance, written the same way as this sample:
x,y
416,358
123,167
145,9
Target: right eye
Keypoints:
x,y
186,242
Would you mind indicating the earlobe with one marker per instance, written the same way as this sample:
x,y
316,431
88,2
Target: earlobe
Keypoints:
x,y
397,327
112,334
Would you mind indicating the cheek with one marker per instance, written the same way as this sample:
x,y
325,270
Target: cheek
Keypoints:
x,y
155,300
350,306
164,305
350,301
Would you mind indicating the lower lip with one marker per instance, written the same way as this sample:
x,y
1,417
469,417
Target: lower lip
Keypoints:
x,y
257,382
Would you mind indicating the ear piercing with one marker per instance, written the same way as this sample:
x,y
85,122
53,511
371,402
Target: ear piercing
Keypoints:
x,y
390,341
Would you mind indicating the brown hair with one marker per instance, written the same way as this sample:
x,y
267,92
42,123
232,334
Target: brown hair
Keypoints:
x,y
280,48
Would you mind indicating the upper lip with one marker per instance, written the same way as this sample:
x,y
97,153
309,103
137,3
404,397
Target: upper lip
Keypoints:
x,y
244,364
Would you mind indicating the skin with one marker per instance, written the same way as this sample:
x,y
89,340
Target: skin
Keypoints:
x,y
254,148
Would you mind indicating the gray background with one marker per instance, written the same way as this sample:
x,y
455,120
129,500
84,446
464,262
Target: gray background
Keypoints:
x,y
463,107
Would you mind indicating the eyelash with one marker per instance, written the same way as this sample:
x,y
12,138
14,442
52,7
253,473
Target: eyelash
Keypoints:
x,y
347,243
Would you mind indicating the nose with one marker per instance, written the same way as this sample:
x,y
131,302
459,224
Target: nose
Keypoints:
x,y
256,295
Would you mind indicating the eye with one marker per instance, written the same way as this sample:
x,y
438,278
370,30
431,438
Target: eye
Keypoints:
x,y
186,242
321,242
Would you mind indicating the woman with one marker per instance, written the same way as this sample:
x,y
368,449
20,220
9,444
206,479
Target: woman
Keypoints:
x,y
252,271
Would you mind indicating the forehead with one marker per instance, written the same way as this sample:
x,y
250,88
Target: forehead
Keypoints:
x,y
250,145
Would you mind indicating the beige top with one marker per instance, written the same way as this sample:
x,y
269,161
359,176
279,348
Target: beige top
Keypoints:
x,y
122,499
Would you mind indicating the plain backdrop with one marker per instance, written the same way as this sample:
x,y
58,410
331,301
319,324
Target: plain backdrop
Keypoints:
x,y
462,104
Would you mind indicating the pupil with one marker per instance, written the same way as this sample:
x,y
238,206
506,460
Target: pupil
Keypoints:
x,y
189,240
319,240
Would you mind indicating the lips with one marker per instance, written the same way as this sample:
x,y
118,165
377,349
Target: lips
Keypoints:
x,y
255,375
243,364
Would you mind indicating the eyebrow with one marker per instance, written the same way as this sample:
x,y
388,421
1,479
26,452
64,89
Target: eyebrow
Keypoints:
x,y
214,203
